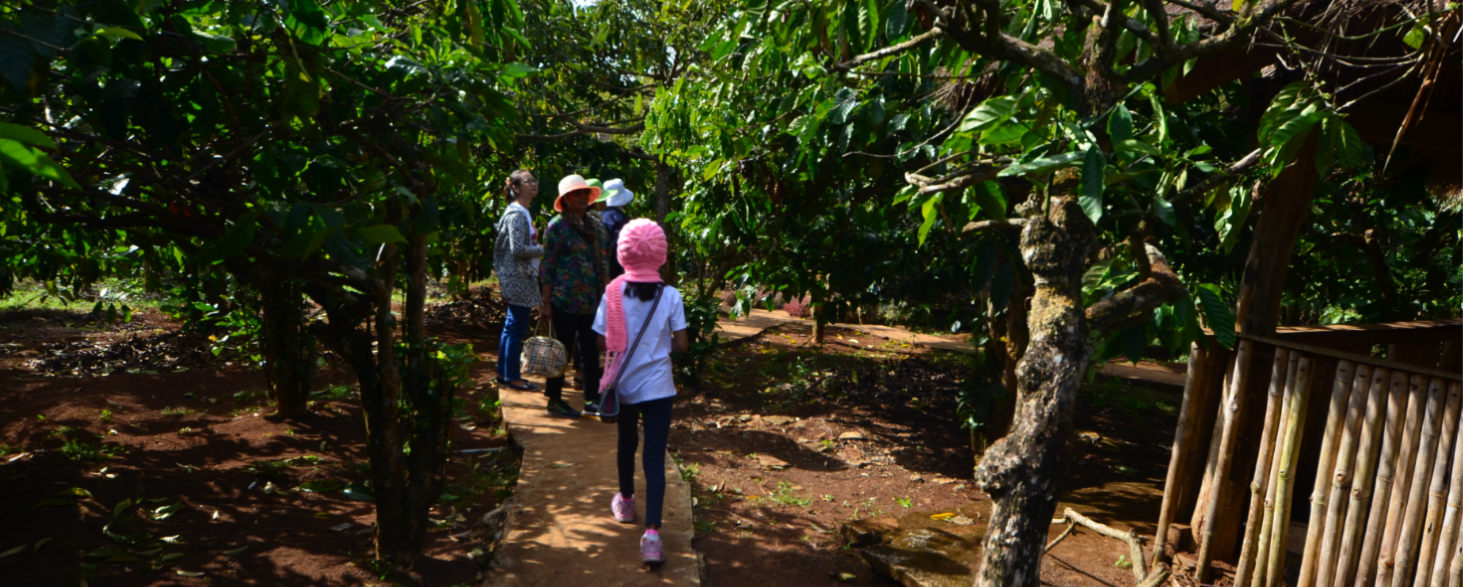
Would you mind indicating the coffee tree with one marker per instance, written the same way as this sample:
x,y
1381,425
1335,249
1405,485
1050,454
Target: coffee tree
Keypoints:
x,y
307,150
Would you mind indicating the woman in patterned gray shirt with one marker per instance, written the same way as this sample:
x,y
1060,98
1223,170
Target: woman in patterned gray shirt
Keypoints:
x,y
515,260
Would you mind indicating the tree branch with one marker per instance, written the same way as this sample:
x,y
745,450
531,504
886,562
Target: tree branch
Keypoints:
x,y
1009,225
1134,304
1218,177
918,40
1227,41
1219,16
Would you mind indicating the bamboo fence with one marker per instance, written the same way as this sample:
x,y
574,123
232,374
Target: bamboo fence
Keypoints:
x,y
1387,456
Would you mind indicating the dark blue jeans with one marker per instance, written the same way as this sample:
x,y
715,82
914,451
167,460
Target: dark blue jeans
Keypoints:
x,y
510,345
657,417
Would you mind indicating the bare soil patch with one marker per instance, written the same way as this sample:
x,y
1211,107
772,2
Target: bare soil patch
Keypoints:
x,y
786,442
211,489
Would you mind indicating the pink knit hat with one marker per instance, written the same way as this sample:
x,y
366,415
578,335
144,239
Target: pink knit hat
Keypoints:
x,y
642,250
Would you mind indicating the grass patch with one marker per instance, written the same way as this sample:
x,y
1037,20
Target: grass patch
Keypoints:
x,y
689,471
177,412
784,495
335,392
278,469
78,450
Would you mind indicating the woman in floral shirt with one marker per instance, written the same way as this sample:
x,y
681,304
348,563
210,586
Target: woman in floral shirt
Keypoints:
x,y
573,275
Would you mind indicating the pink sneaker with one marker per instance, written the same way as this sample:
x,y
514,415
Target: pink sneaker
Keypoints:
x,y
623,509
650,547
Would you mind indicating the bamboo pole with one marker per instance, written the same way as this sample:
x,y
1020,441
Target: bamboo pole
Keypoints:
x,y
1323,568
1449,528
1267,516
1400,401
1366,466
1216,439
1455,569
1392,568
1228,439
1262,473
1437,492
1184,442
1338,422
1294,430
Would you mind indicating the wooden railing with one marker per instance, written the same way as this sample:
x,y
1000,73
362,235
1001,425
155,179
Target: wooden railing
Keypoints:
x,y
1373,440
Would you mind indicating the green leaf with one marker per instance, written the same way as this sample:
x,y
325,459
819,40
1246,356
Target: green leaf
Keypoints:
x,y
215,43
116,33
517,70
234,241
898,22
1159,118
1294,126
322,486
452,167
990,113
35,161
1004,134
1137,146
1350,149
25,134
1043,165
164,512
1416,36
991,200
359,492
1216,314
381,234
1120,124
1134,338
121,507
931,214
1093,166
1163,209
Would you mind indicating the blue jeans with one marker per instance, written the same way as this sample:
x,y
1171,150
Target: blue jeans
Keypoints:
x,y
656,415
510,345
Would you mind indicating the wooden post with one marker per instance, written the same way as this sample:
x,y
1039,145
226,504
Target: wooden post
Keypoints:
x,y
1338,421
1267,517
1184,443
1407,510
1323,569
1290,451
1261,480
1449,528
1228,439
1400,401
1419,558
1366,466
1211,461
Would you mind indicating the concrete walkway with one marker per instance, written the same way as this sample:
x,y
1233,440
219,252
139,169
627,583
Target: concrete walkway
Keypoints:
x,y
559,532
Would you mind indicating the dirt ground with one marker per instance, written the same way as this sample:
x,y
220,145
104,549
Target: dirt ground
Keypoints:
x,y
785,444
175,475
182,478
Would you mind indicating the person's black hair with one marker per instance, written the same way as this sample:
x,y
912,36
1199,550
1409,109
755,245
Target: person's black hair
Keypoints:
x,y
515,179
641,290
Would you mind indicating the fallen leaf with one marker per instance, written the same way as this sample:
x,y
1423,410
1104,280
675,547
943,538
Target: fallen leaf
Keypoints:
x,y
170,556
340,527
323,515
358,491
847,577
75,491
188,573
14,551
237,551
563,465
215,514
944,516
40,543
174,539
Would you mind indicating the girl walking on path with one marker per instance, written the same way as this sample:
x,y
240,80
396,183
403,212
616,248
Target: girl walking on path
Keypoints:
x,y
572,274
646,389
515,260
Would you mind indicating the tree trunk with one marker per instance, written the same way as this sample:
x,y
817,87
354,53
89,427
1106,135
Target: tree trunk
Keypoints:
x,y
1020,472
1283,213
289,349
407,391
662,192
